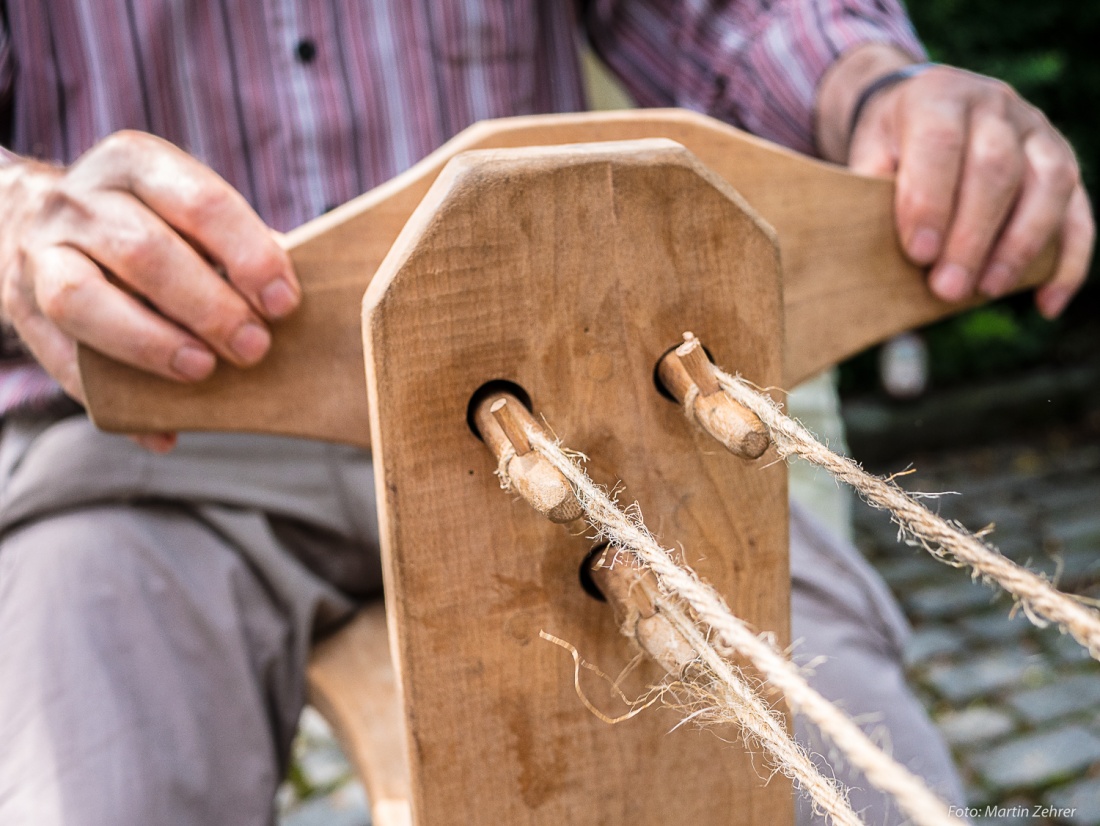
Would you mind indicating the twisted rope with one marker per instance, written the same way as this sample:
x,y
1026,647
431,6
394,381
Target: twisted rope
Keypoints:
x,y
760,722
1040,600
714,620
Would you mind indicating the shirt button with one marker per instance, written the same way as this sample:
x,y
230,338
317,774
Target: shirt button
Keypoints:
x,y
306,51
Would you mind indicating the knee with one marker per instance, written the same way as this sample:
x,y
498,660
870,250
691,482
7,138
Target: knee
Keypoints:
x,y
73,560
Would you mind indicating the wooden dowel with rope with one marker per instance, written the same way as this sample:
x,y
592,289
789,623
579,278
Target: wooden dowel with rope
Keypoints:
x,y
1041,601
699,617
511,421
501,420
657,623
633,594
688,375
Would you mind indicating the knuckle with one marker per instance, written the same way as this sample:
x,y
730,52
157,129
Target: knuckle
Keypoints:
x,y
1080,217
968,253
201,203
1071,273
151,350
997,94
134,246
220,334
224,319
1058,168
64,203
1077,276
924,206
263,262
943,137
968,245
112,162
125,143
997,159
1022,249
1064,176
59,297
137,258
1088,227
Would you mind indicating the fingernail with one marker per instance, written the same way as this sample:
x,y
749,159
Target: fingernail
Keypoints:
x,y
250,342
950,282
193,363
924,247
996,281
1052,301
278,298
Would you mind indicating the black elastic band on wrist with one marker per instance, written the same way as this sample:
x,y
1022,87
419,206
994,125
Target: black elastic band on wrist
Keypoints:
x,y
881,84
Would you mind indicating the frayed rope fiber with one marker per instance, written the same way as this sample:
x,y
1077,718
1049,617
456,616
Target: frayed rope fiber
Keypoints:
x,y
719,693
1041,601
715,633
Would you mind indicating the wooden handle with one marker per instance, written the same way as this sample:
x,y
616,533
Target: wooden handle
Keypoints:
x,y
846,283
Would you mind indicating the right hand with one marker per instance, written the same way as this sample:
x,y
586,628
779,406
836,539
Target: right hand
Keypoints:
x,y
137,221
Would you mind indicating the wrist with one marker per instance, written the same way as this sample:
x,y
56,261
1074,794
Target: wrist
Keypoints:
x,y
840,90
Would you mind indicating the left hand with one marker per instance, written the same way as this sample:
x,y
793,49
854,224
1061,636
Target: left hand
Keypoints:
x,y
984,181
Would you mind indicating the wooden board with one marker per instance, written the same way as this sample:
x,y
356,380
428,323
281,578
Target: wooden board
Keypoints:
x,y
353,684
846,284
568,271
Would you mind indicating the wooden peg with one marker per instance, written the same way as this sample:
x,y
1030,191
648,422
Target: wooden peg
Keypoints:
x,y
502,421
738,429
633,594
512,423
698,366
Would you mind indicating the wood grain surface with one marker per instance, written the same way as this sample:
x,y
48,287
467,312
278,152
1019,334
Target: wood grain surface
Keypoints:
x,y
568,271
352,682
846,284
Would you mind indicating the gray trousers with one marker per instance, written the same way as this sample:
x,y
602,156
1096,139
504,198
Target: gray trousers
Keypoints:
x,y
156,613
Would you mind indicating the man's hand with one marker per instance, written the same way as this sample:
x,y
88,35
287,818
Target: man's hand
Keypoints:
x,y
137,222
984,181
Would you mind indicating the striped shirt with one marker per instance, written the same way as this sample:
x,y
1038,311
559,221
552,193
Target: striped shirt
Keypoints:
x,y
304,104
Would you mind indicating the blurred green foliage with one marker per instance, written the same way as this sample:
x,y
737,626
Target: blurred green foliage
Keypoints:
x,y
1050,52
987,340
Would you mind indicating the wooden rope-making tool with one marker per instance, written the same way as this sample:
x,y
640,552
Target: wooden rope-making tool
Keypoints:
x,y
540,272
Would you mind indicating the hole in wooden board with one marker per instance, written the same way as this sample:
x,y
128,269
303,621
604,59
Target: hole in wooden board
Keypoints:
x,y
491,388
587,582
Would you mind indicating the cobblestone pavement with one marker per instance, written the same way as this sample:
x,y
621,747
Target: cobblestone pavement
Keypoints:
x,y
321,789
1019,706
